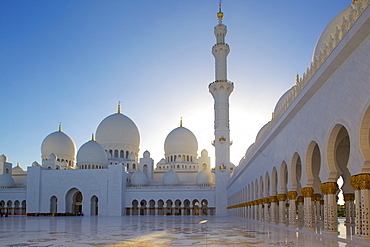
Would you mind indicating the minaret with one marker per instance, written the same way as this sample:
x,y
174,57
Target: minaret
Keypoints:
x,y
221,89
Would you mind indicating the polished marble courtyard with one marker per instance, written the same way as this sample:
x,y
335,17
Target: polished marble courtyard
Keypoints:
x,y
160,231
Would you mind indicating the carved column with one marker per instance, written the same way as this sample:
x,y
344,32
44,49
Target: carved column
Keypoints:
x,y
300,201
349,199
273,200
266,214
260,209
361,184
330,190
282,216
255,209
292,195
308,212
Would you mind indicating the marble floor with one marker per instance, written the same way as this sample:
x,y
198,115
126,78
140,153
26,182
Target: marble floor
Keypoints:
x,y
159,231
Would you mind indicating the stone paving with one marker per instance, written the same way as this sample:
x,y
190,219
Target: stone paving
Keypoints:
x,y
160,231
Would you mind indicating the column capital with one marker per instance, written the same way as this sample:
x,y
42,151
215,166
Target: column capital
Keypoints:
x,y
307,191
292,195
360,181
260,201
273,199
266,200
281,197
300,199
329,188
317,196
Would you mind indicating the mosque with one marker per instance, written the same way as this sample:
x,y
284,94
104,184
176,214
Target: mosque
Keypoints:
x,y
319,132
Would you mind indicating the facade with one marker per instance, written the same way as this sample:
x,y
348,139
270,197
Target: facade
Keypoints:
x,y
319,132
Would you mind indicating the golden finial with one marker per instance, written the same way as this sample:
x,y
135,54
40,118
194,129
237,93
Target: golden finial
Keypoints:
x,y
60,127
297,78
181,122
92,137
18,164
355,1
272,116
220,15
119,107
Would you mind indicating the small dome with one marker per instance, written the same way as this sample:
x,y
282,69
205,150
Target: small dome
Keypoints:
x,y
282,100
162,161
204,177
131,156
204,153
52,156
263,131
329,30
60,144
3,158
6,180
171,178
118,129
146,154
139,178
249,151
181,141
18,170
35,163
92,152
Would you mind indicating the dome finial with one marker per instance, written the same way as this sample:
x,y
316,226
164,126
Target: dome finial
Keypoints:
x,y
297,78
220,15
119,107
60,127
181,122
355,1
92,137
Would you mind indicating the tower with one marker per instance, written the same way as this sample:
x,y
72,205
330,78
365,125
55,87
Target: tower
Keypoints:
x,y
221,89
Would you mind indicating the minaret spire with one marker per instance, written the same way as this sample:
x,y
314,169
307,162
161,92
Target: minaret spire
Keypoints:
x,y
181,122
60,127
119,107
221,89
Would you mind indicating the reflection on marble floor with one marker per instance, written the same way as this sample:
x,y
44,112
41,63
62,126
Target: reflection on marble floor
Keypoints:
x,y
157,231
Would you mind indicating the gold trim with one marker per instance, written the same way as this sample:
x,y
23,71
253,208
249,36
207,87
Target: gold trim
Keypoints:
x,y
273,199
349,197
329,188
281,197
292,195
307,192
360,181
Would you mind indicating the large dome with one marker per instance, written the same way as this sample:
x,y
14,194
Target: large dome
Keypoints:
x,y
329,30
118,129
60,144
92,153
181,141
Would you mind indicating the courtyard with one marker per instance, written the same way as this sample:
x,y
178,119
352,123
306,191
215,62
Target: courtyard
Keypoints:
x,y
162,231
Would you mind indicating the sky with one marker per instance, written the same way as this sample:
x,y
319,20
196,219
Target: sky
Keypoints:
x,y
73,61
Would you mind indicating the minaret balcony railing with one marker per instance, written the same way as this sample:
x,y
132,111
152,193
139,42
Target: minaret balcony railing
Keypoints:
x,y
222,81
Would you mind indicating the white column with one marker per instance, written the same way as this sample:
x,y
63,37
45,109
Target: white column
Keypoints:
x,y
307,193
282,202
350,208
266,214
273,200
330,206
292,208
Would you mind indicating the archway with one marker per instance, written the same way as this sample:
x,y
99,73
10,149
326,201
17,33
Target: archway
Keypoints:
x,y
74,201
160,207
135,207
169,207
186,207
2,206
17,209
195,207
204,207
53,205
177,207
151,207
143,207
24,207
94,205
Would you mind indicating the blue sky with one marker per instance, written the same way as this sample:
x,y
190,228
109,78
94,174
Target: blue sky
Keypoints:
x,y
72,61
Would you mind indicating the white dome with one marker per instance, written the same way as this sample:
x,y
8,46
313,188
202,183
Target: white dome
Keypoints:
x,y
18,170
6,180
262,132
139,178
118,129
60,144
171,178
204,153
181,141
3,158
131,156
282,100
92,153
146,154
35,163
330,29
52,156
204,177
249,151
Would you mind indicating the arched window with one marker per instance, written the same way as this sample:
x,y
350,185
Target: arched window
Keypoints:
x,y
121,154
115,153
187,158
183,158
127,153
6,171
134,166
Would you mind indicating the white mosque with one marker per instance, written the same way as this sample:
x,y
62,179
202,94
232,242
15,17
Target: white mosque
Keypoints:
x,y
319,132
